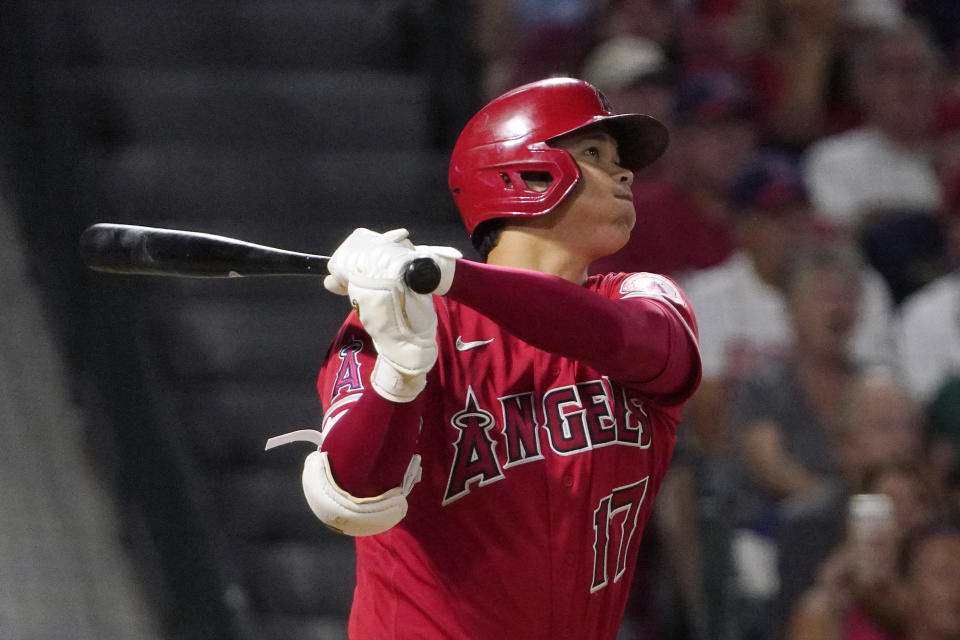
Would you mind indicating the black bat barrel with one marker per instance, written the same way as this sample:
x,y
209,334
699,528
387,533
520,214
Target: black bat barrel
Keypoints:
x,y
131,249
119,248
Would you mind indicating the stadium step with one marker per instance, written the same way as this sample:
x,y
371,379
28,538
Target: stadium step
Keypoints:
x,y
228,423
280,122
264,507
202,340
337,188
112,106
314,578
216,33
303,627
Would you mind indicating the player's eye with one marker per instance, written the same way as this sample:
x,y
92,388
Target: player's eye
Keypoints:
x,y
592,151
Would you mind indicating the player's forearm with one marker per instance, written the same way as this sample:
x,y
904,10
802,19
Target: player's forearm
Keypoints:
x,y
632,342
371,444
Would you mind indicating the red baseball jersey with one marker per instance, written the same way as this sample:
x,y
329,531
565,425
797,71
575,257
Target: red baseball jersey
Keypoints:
x,y
539,474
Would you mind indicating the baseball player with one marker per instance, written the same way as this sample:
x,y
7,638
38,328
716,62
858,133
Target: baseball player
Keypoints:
x,y
496,446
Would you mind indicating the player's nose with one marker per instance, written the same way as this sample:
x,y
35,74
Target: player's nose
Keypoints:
x,y
622,175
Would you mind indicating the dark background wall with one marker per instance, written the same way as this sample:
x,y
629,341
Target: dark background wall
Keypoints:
x,y
284,122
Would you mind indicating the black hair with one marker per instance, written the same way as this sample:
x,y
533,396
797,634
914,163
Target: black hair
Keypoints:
x,y
486,236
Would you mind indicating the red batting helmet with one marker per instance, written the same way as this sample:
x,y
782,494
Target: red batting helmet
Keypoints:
x,y
509,137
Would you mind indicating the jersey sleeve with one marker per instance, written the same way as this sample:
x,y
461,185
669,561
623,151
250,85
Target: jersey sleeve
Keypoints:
x,y
628,329
369,440
682,367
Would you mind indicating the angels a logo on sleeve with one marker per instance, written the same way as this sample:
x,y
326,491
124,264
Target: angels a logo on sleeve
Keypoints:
x,y
348,378
651,285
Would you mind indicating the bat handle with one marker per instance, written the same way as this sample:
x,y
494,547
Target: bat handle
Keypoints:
x,y
422,275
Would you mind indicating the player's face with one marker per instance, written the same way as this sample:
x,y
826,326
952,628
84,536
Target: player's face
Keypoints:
x,y
598,215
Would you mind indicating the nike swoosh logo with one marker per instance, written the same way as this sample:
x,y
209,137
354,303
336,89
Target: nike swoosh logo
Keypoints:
x,y
466,346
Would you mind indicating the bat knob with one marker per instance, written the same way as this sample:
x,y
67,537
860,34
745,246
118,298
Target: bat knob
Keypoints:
x,y
422,275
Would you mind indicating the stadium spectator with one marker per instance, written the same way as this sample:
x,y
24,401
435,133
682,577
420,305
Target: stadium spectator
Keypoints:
x,y
655,20
746,321
634,73
943,437
521,41
943,21
928,335
906,247
857,594
880,426
741,300
786,417
912,247
791,50
887,162
929,567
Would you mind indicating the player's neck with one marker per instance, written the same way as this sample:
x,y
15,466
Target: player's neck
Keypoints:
x,y
525,249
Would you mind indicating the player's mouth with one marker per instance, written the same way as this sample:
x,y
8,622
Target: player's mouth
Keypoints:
x,y
624,195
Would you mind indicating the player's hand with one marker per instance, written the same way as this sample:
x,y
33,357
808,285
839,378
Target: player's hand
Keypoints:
x,y
402,324
446,259
366,252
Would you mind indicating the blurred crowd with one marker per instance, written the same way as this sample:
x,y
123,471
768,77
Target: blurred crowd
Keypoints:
x,y
809,204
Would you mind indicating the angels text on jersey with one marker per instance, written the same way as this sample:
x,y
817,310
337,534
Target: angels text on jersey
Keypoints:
x,y
566,420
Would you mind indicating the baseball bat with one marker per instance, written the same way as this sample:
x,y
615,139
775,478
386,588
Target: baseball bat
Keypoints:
x,y
132,249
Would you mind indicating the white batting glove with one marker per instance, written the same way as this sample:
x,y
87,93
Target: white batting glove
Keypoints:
x,y
403,326
366,252
369,268
446,259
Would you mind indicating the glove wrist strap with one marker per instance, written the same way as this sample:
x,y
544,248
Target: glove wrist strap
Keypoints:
x,y
393,385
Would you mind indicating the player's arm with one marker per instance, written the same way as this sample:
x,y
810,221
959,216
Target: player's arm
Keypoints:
x,y
640,340
643,341
358,480
369,440
364,467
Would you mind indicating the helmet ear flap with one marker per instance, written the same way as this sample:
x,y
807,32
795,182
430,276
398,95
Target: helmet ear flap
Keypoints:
x,y
522,188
